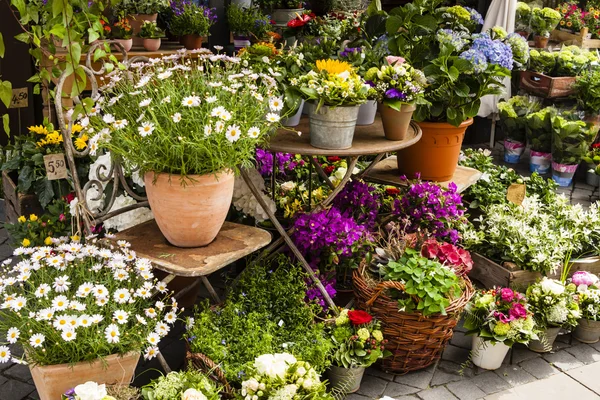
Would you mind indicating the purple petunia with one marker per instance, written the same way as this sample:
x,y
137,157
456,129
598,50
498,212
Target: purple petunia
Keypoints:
x,y
394,93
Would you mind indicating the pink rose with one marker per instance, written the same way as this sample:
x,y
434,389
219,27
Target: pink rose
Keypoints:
x,y
507,294
391,60
518,311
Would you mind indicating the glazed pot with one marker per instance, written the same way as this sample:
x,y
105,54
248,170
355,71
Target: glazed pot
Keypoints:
x,y
126,43
366,113
333,127
587,331
345,380
136,21
488,355
396,123
192,42
282,16
547,338
190,215
563,173
294,120
151,44
541,42
435,155
52,381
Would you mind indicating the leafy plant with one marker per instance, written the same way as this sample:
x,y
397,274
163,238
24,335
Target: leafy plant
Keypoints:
x,y
269,5
542,62
588,293
513,116
248,21
193,20
130,7
150,30
121,29
552,304
33,230
544,20
522,17
190,384
588,91
539,130
570,140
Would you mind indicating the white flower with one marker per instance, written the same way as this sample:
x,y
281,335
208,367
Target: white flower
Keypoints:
x,y
207,130
143,81
164,75
76,305
219,126
150,353
141,319
108,118
120,123
225,115
254,132
170,318
272,117
162,329
100,291
61,284
191,101
233,133
176,117
153,338
121,275
121,316
46,314
37,340
97,318
68,335
161,287
42,290
84,289
121,296
84,122
18,303
150,312
276,104
94,110
166,99
111,333
193,394
4,354
273,366
211,99
12,335
289,185
146,129
552,286
90,391
84,320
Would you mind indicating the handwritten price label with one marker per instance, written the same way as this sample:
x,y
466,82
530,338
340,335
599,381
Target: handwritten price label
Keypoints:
x,y
19,98
56,167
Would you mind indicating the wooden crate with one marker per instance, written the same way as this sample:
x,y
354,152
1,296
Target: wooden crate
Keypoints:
x,y
17,204
489,273
547,86
581,39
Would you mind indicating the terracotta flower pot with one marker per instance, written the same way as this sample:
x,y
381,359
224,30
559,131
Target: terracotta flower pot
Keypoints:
x,y
524,34
190,215
540,41
435,156
126,43
136,21
191,42
396,123
151,44
52,381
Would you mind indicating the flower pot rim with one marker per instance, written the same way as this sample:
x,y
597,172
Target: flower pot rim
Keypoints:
x,y
131,354
314,103
445,125
220,172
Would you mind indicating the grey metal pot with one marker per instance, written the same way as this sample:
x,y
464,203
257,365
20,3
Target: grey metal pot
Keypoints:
x,y
346,380
546,341
294,120
587,331
366,113
282,16
333,128
590,177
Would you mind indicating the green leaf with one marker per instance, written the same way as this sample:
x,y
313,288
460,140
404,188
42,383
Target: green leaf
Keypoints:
x,y
57,8
6,124
360,353
6,92
93,35
25,179
45,192
1,46
23,37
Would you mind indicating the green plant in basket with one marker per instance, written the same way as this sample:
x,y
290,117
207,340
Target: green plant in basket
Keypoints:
x,y
544,20
185,385
150,30
542,62
588,91
570,140
513,115
572,61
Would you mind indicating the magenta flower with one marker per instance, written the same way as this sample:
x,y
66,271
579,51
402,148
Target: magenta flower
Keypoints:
x,y
518,311
583,278
507,294
502,317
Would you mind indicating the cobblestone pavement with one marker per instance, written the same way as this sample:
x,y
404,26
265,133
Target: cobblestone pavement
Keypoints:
x,y
570,371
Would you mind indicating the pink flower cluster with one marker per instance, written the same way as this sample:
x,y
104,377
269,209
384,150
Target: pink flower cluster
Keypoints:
x,y
455,257
513,307
584,278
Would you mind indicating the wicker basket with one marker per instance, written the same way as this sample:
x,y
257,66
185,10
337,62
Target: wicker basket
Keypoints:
x,y
415,341
203,363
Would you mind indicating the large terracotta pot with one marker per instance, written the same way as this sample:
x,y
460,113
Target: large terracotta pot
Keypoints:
x,y
192,42
435,156
52,381
396,123
190,215
136,21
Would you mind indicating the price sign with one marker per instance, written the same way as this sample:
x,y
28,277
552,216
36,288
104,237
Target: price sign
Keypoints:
x,y
56,167
20,98
516,193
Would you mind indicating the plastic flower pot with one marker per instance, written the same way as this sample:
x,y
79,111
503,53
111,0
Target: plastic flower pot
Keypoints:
x,y
541,42
590,177
396,123
513,151
333,127
540,162
190,215
192,42
346,380
547,338
126,43
487,354
563,174
366,113
587,331
241,41
136,21
152,44
294,120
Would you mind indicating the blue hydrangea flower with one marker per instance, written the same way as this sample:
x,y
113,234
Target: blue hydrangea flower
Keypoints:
x,y
495,51
451,38
475,16
477,58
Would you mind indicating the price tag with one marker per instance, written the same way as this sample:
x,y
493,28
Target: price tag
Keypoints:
x,y
20,98
56,167
516,193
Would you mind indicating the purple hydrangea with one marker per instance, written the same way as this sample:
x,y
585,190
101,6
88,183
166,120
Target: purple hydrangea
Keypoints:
x,y
475,16
360,201
477,59
496,51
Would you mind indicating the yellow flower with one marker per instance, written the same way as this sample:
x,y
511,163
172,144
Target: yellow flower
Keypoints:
x,y
562,23
335,67
75,238
81,142
40,129
22,218
569,23
26,242
48,241
33,217
564,10
77,128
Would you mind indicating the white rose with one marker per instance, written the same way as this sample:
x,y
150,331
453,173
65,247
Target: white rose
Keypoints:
x,y
286,357
266,365
551,286
90,391
307,384
193,394
252,384
289,185
301,371
340,173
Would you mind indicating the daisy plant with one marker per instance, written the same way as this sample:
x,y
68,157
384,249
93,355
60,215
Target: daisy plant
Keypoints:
x,y
70,302
186,116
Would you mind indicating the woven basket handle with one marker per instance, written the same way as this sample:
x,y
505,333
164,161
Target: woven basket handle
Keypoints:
x,y
212,367
381,287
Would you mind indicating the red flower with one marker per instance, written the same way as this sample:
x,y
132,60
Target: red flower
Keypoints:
x,y
392,191
70,197
596,145
295,23
333,159
328,169
359,317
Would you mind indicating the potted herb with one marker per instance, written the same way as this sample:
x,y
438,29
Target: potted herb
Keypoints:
x,y
399,88
152,35
543,21
192,24
592,159
281,11
553,308
247,23
187,137
358,344
587,94
539,135
333,119
523,19
497,319
185,385
588,294
139,11
121,32
85,314
513,118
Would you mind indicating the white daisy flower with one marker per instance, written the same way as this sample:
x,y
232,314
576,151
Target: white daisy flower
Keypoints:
x,y
46,314
111,333
150,312
84,122
233,133
121,316
170,318
146,129
120,123
108,118
191,101
162,329
219,126
207,130
4,354
145,102
121,296
84,289
37,340
225,115
276,104
18,303
100,291
150,353
101,301
97,318
217,111
254,132
68,335
272,117
211,99
143,293
166,99
76,305
164,75
161,287
153,338
55,262
61,284
84,320
141,319
176,117
143,81
61,322
94,110
42,290
12,335
121,275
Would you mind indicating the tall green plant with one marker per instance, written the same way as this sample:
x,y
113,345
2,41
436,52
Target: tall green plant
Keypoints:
x,y
588,92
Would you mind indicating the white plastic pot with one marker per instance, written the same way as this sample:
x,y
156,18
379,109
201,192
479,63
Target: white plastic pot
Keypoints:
x,y
488,354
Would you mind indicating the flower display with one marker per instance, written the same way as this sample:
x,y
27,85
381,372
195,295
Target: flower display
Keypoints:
x,y
448,254
81,302
572,17
522,17
359,200
552,304
186,385
88,391
397,84
588,294
501,315
32,230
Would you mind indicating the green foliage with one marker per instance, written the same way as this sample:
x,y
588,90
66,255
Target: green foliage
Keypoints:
x,y
248,21
265,313
131,7
151,31
40,230
544,20
522,17
175,384
569,61
588,91
192,21
513,115
539,130
269,5
429,287
571,140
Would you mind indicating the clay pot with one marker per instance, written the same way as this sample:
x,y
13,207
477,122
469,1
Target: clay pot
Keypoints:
x,y
126,43
192,42
190,215
524,34
435,155
396,123
151,44
52,381
136,21
540,41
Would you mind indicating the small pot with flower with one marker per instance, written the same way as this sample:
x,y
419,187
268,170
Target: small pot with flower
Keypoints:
x,y
192,24
588,296
513,119
543,21
554,308
498,318
358,343
121,32
400,88
152,35
138,12
336,91
247,24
